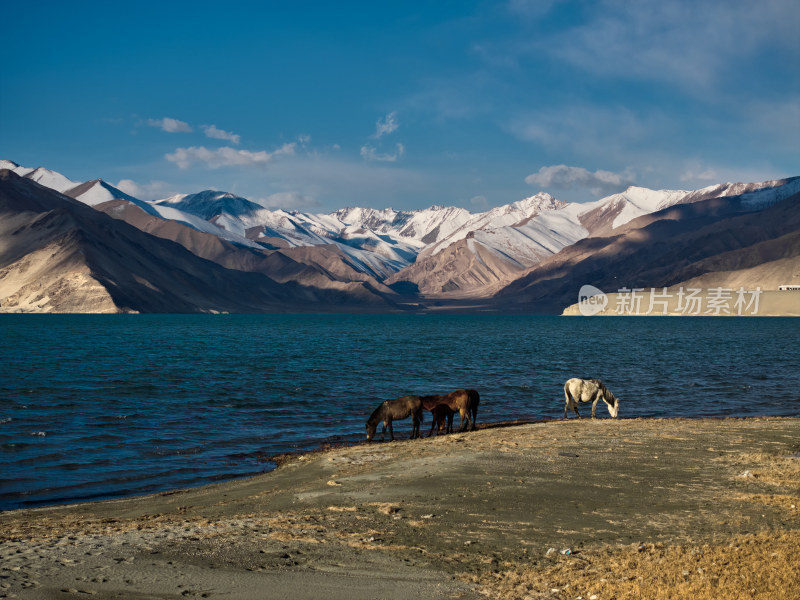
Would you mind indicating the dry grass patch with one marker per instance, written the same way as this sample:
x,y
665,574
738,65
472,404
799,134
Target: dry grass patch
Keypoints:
x,y
770,469
759,567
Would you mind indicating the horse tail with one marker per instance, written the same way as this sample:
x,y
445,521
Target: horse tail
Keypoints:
x,y
567,398
568,394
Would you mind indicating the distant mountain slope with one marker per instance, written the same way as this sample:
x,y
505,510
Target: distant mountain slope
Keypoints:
x,y
665,248
59,255
490,252
320,267
45,177
441,254
496,247
210,204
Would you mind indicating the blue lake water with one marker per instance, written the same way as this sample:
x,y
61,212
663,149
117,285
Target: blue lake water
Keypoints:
x,y
97,406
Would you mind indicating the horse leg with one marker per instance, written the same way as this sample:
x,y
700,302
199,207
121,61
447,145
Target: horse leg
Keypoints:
x,y
444,423
474,417
574,404
594,404
391,431
464,423
415,428
383,431
433,416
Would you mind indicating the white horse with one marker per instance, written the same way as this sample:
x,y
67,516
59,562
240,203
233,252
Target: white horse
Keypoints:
x,y
588,390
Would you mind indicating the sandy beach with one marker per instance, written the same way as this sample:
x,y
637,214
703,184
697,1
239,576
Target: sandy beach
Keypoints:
x,y
584,509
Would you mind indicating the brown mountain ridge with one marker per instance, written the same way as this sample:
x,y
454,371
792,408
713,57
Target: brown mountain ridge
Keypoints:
x,y
60,255
663,249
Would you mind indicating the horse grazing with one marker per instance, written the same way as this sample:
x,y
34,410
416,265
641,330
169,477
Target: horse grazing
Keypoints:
x,y
588,390
464,402
397,408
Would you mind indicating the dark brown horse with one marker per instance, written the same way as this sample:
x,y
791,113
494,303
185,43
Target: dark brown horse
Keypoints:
x,y
442,419
464,402
397,408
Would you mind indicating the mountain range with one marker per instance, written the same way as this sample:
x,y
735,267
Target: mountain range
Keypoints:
x,y
68,246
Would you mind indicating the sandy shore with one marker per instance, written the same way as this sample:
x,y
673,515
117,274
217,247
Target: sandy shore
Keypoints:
x,y
646,508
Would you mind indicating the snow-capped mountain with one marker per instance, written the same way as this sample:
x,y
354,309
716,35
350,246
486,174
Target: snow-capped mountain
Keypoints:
x,y
92,192
381,242
46,177
728,237
435,250
211,204
97,192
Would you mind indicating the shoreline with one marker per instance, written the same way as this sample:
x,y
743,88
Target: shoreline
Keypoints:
x,y
462,515
280,458
323,446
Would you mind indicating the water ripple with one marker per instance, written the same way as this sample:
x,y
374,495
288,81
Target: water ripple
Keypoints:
x,y
137,403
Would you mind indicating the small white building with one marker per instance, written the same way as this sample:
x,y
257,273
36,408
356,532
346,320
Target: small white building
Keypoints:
x,y
785,288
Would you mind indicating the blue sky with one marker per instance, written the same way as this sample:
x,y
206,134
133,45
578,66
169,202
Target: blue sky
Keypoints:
x,y
320,105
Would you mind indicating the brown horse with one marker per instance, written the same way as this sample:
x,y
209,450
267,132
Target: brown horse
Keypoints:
x,y
442,419
464,402
397,408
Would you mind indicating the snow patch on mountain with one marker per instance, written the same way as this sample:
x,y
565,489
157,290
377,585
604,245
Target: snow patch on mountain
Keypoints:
x,y
211,203
382,242
770,192
515,214
12,166
638,201
46,177
51,179
98,191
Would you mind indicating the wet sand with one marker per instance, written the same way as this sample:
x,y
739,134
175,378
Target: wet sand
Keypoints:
x,y
565,509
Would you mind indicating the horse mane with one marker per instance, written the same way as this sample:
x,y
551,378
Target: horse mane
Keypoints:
x,y
607,395
375,416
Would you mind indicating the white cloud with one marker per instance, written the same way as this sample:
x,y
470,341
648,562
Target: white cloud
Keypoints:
x,y
386,126
564,177
154,190
170,125
225,156
696,45
371,153
220,134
